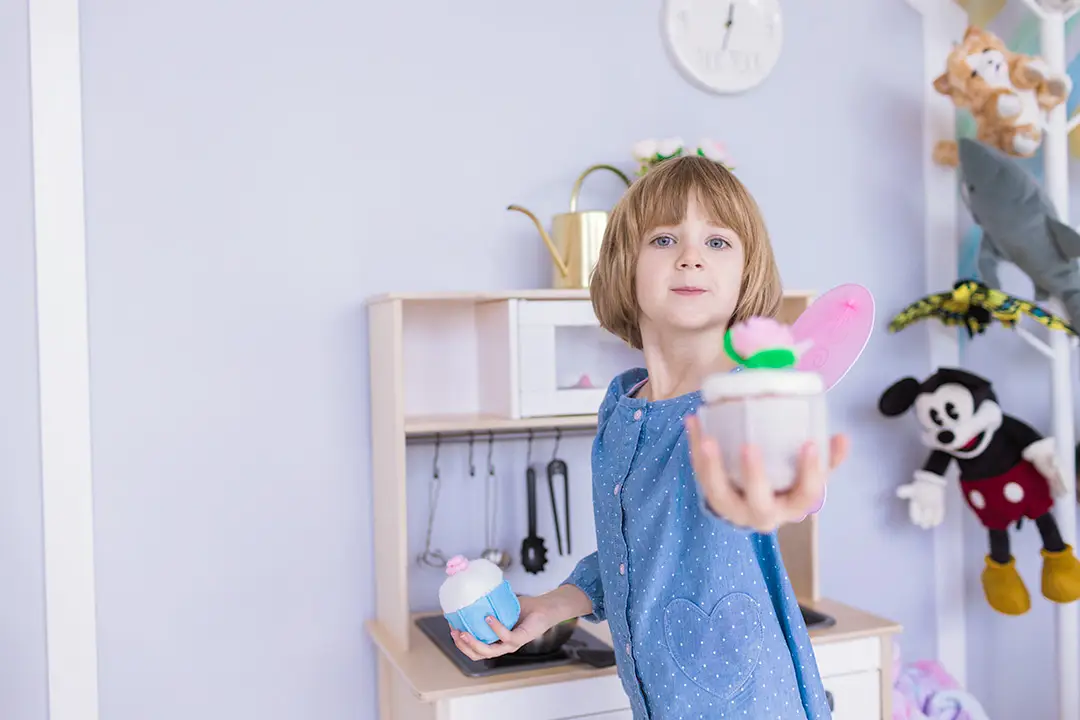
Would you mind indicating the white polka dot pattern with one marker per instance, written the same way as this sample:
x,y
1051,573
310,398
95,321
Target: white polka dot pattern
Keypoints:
x,y
1013,492
703,612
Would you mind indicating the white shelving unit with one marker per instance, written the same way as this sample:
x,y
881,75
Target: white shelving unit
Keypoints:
x,y
1056,178
943,25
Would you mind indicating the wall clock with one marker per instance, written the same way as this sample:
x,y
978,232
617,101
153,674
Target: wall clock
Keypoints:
x,y
723,46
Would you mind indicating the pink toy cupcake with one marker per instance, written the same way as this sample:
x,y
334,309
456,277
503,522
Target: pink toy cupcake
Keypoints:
x,y
766,402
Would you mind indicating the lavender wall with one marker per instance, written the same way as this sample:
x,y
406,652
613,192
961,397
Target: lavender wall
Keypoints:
x,y
22,620
255,170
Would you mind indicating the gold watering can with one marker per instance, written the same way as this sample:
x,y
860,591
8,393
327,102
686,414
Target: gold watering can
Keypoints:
x,y
575,236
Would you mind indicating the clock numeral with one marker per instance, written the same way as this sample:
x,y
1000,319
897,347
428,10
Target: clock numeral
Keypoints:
x,y
738,61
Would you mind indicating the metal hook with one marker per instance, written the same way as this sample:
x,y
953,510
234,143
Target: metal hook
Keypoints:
x,y
435,462
491,448
472,465
528,449
555,450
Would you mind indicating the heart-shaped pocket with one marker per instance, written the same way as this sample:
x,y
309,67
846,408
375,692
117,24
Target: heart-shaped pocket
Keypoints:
x,y
718,651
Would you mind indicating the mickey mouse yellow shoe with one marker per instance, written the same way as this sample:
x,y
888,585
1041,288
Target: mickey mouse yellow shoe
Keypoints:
x,y
1004,588
1061,575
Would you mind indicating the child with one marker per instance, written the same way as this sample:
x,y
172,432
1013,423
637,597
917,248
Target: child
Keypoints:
x,y
702,616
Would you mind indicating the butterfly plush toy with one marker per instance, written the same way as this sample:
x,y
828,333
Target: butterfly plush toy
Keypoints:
x,y
975,306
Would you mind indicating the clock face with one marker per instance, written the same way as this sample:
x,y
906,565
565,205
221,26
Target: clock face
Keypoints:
x,y
723,46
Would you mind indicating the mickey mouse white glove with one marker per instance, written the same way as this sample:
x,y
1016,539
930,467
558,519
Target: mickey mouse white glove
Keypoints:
x,y
1041,454
926,499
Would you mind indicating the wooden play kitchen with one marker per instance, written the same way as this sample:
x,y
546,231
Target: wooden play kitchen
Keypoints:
x,y
477,388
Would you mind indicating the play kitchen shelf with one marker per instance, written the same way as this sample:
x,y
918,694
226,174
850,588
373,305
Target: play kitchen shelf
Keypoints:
x,y
449,364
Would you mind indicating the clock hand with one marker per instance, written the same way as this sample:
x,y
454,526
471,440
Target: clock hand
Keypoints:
x,y
728,24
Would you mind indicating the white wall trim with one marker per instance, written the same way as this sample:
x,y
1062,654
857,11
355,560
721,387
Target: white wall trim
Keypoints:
x,y
943,23
63,360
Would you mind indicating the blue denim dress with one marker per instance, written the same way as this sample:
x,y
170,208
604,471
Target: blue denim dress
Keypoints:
x,y
702,615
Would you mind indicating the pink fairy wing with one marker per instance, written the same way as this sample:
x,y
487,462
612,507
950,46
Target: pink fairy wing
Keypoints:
x,y
838,324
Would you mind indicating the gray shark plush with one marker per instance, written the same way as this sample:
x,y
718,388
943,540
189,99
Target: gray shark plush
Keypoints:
x,y
1020,225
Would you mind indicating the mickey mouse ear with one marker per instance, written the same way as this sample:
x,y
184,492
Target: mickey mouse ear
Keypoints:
x,y
899,397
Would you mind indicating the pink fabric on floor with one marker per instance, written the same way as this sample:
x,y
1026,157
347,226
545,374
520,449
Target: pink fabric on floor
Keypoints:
x,y
923,690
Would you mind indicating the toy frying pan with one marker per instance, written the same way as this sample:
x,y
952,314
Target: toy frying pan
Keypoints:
x,y
837,327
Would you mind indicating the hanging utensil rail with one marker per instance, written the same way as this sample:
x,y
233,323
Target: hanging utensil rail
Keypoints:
x,y
460,436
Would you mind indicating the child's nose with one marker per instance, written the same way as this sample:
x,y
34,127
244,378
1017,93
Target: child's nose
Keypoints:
x,y
690,261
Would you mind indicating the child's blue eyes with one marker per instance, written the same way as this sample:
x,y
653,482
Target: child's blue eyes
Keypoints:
x,y
717,243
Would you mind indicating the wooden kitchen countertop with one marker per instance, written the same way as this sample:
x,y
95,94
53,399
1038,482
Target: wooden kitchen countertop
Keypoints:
x,y
851,623
431,675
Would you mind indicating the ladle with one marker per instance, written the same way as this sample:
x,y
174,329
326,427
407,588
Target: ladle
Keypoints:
x,y
491,495
430,556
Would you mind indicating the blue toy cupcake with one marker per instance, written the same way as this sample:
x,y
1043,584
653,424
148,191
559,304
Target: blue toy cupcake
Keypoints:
x,y
474,591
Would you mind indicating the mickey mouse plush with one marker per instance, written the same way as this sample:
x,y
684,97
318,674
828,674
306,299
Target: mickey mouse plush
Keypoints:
x,y
1007,472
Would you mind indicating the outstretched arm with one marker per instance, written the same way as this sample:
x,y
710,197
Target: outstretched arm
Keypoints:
x,y
755,505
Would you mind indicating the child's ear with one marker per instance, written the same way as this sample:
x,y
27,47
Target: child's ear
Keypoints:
x,y
899,398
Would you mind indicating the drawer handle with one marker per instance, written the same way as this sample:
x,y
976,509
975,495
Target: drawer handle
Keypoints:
x,y
829,698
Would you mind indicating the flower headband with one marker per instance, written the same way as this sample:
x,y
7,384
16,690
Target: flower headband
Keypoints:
x,y
649,153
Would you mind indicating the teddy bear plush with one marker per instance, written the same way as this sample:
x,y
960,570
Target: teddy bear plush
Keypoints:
x,y
1008,94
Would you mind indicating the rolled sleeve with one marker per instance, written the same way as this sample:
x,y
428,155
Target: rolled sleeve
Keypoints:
x,y
586,578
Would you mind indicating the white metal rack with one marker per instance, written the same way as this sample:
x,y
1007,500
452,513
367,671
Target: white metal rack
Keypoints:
x,y
1056,179
943,25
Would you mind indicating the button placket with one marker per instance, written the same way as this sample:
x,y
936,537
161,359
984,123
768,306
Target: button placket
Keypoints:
x,y
633,444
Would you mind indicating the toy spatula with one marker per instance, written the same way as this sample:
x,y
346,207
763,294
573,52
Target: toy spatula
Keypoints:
x,y
533,551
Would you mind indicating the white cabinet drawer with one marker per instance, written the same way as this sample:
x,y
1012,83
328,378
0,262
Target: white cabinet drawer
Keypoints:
x,y
856,696
626,714
599,698
850,656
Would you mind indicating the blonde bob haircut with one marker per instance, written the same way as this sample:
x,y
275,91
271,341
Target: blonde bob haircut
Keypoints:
x,y
660,199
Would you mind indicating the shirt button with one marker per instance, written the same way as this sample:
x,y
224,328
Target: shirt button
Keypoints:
x,y
637,414
622,568
618,486
627,648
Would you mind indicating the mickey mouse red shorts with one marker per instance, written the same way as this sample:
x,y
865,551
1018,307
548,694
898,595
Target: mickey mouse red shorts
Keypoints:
x,y
1000,501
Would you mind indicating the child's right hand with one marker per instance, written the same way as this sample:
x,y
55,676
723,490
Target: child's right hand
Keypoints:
x,y
755,505
537,617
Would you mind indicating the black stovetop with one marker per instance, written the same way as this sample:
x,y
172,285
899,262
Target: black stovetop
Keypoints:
x,y
436,628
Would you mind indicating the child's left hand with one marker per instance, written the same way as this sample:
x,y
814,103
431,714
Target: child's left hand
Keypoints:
x,y
755,505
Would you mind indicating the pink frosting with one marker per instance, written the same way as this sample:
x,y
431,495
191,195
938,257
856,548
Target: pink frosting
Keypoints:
x,y
760,333
456,564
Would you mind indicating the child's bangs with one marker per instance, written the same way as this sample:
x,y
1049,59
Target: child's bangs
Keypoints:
x,y
722,200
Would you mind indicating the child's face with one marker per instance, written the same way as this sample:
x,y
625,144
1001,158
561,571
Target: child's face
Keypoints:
x,y
688,277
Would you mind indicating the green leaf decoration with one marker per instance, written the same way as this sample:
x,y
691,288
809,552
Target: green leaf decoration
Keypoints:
x,y
773,359
730,349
